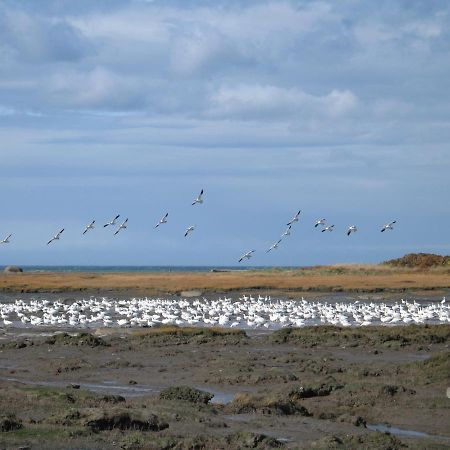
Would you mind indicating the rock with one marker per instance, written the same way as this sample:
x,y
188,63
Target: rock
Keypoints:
x,y
12,269
122,419
186,393
10,423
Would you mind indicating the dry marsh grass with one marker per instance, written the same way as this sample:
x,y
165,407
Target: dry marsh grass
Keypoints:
x,y
368,278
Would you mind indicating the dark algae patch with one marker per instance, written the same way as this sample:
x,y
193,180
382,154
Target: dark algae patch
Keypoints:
x,y
186,394
399,336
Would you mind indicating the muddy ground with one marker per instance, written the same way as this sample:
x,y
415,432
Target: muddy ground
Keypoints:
x,y
314,387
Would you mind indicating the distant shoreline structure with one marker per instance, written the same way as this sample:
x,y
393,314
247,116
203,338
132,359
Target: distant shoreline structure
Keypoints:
x,y
149,269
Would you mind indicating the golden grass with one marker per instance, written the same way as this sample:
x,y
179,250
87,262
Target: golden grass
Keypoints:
x,y
322,278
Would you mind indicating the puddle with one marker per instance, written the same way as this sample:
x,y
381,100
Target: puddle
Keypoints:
x,y
112,387
106,388
405,433
220,397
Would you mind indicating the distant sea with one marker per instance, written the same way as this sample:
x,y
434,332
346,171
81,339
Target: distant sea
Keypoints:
x,y
138,269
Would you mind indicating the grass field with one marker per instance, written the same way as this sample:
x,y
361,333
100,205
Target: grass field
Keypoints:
x,y
342,278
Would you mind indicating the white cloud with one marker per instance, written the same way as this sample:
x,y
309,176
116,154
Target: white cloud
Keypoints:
x,y
253,101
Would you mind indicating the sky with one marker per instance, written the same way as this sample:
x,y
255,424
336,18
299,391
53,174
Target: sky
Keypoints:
x,y
340,109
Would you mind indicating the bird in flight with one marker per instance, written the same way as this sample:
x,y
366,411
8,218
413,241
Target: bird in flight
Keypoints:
x,y
274,246
91,226
162,220
320,222
112,222
6,240
247,255
55,237
294,219
328,228
351,229
287,231
189,230
122,226
199,199
389,226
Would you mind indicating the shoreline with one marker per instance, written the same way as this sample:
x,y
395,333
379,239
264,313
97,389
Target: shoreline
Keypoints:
x,y
326,279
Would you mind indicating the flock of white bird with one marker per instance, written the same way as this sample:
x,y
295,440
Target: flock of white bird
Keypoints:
x,y
198,201
247,312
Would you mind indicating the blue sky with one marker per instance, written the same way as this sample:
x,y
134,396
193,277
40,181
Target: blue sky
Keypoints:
x,y
340,109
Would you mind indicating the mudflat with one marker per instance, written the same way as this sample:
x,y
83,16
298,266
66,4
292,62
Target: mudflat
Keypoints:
x,y
347,278
183,388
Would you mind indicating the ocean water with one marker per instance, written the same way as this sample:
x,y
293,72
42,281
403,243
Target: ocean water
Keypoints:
x,y
138,269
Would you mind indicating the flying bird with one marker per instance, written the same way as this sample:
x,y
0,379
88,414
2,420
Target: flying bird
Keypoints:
x,y
122,226
274,246
351,229
112,222
162,220
189,230
287,231
6,240
91,226
295,218
389,226
320,222
328,228
199,199
247,255
55,237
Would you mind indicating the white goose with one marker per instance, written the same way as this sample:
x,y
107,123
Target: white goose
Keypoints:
x,y
295,218
388,226
55,237
162,220
351,229
199,199
189,230
91,226
328,228
274,246
112,222
122,226
6,240
247,255
320,222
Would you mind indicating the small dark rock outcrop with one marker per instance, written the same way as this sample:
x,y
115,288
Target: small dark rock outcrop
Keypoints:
x,y
187,394
12,269
121,419
10,423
